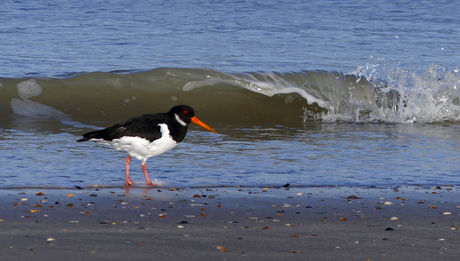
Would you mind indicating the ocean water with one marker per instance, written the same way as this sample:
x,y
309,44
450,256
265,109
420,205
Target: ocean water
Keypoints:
x,y
315,93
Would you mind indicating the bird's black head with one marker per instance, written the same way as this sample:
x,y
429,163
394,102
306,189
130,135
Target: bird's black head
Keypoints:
x,y
184,112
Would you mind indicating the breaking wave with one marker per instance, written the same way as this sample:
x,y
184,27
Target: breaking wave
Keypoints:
x,y
379,92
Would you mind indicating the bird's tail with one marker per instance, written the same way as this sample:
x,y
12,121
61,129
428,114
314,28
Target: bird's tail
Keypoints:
x,y
91,135
105,134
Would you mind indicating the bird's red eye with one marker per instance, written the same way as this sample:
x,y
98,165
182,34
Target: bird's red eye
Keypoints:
x,y
185,112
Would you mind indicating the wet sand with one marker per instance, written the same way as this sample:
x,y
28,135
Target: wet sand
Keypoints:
x,y
230,223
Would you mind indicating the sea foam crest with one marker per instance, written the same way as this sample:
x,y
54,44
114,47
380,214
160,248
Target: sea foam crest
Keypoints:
x,y
273,84
377,92
425,97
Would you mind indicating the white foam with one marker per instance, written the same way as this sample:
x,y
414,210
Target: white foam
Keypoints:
x,y
159,183
310,99
35,109
28,89
25,107
272,86
207,82
424,97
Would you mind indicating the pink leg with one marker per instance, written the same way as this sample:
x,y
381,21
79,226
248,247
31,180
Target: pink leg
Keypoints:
x,y
144,168
128,181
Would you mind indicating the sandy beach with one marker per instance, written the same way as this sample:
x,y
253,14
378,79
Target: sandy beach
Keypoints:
x,y
230,223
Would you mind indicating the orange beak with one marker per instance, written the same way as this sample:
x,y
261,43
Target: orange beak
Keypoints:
x,y
202,124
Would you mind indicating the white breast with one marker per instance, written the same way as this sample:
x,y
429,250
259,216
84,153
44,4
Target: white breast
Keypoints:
x,y
141,148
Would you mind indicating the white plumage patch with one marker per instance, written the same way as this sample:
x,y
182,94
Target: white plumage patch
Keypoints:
x,y
179,120
141,148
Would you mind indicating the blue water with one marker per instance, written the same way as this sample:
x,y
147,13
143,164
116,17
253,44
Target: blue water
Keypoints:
x,y
58,37
383,39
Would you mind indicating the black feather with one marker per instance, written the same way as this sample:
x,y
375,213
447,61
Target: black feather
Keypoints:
x,y
147,126
143,126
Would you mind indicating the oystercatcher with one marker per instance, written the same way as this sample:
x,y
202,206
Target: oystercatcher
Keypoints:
x,y
148,135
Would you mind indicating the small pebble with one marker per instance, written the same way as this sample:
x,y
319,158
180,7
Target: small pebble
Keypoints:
x,y
387,203
394,218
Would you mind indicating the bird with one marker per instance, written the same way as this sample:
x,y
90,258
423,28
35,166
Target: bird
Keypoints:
x,y
147,135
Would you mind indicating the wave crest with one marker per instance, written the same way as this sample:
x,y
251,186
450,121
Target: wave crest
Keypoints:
x,y
377,92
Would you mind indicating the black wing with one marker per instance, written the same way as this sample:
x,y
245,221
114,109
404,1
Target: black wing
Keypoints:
x,y
145,126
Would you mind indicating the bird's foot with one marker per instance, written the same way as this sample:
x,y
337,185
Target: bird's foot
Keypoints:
x,y
129,183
